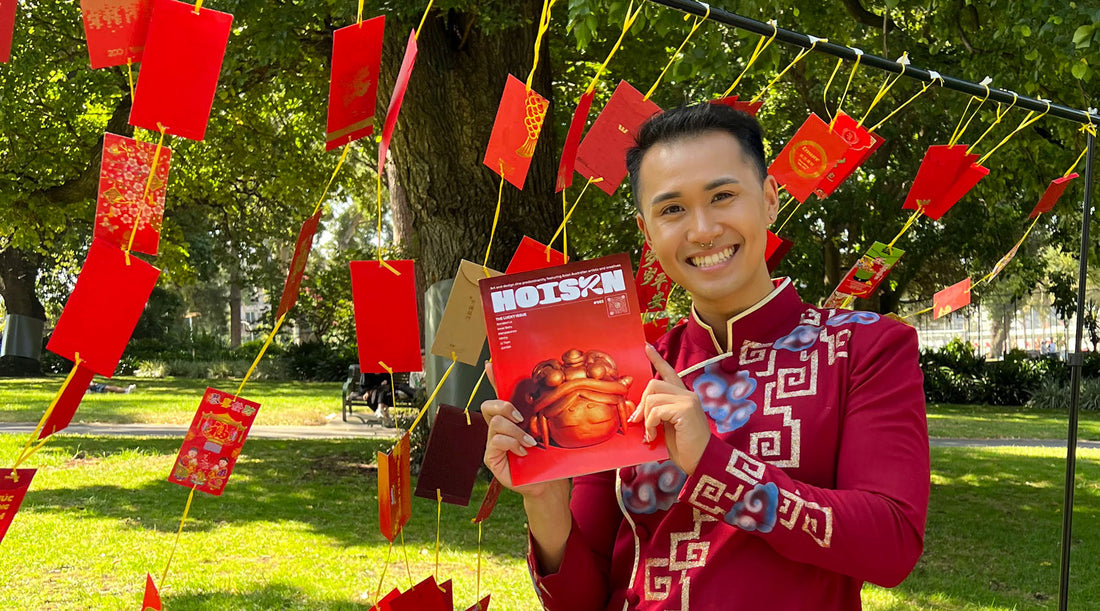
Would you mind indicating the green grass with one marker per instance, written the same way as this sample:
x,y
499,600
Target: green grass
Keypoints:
x,y
999,422
171,400
297,529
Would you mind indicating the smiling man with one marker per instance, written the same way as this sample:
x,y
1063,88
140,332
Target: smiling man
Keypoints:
x,y
798,446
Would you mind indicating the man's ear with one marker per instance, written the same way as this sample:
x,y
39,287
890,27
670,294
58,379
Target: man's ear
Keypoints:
x,y
641,226
771,198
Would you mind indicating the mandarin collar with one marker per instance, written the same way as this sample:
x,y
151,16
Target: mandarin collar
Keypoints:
x,y
758,323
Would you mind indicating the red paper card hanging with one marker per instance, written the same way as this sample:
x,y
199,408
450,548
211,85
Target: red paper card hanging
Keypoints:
x,y
13,487
775,250
298,264
492,493
151,600
180,66
394,496
652,283
116,30
214,441
573,141
861,144
481,605
123,175
386,325
398,96
531,254
942,179
602,153
750,108
1051,195
7,28
384,604
353,85
870,270
515,131
103,309
808,156
655,328
68,402
1004,261
962,185
424,596
454,453
951,298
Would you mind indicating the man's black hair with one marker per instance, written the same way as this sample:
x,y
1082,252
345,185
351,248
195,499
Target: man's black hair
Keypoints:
x,y
688,121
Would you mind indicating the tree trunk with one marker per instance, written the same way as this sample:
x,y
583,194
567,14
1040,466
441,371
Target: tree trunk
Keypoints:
x,y
18,275
234,307
401,217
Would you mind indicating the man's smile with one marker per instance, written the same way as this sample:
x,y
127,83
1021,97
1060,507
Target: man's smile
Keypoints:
x,y
715,259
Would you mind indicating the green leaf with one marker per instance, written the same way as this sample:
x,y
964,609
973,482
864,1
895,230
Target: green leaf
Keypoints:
x,y
1083,34
1079,69
891,4
1032,55
1025,31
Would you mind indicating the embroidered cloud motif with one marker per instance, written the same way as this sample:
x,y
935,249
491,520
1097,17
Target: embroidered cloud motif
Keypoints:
x,y
757,510
859,317
799,339
656,485
726,402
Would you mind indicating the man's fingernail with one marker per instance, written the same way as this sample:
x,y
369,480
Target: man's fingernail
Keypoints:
x,y
518,417
529,440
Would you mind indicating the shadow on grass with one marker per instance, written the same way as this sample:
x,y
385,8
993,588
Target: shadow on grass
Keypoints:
x,y
271,596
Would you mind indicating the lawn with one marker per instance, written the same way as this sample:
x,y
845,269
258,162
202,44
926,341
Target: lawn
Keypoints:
x,y
1000,422
297,529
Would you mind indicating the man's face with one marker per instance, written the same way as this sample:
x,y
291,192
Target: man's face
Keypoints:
x,y
705,213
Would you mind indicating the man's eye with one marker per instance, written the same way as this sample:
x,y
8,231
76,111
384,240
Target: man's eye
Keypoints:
x,y
672,209
723,195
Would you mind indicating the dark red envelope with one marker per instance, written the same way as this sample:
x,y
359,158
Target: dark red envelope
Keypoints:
x,y
652,283
353,84
1051,195
951,298
808,156
214,441
7,28
482,605
298,263
386,325
116,30
655,328
573,141
123,174
68,402
489,502
454,453
515,131
179,70
103,309
151,600
384,604
398,96
775,250
861,144
424,596
747,107
531,255
394,497
602,153
13,487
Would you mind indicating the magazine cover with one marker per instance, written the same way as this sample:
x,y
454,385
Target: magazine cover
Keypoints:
x,y
568,351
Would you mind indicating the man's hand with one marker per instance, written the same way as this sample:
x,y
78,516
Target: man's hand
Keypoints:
x,y
667,401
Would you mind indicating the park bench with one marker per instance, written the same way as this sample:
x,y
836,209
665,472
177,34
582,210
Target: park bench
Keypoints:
x,y
374,406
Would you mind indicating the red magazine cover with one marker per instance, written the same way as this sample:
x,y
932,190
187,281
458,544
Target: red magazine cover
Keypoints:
x,y
568,351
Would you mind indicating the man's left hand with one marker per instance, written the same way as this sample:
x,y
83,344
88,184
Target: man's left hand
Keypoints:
x,y
668,401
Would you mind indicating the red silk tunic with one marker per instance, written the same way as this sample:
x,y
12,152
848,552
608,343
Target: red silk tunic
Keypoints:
x,y
815,479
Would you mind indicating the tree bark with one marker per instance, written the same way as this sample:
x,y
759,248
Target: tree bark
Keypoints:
x,y
234,307
401,218
18,276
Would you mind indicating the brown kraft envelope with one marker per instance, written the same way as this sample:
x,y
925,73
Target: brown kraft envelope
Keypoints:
x,y
462,328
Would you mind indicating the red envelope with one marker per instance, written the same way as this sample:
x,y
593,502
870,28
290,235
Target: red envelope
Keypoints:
x,y
515,131
835,300
384,604
398,96
489,502
573,141
116,30
808,156
531,255
151,600
861,143
123,173
394,496
652,283
1051,195
454,453
946,174
386,325
7,28
602,153
870,270
424,596
13,487
951,298
353,86
747,107
179,71
103,309
214,441
775,250
655,328
298,263
966,180
68,402
482,605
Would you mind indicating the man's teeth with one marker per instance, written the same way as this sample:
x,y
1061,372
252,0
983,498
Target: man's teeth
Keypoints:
x,y
714,259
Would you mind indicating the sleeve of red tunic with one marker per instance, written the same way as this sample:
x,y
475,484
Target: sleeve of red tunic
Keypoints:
x,y
582,581
871,526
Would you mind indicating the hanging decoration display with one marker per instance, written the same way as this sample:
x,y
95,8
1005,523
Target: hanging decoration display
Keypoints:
x,y
387,329
132,192
602,153
353,85
652,283
867,274
116,30
213,442
453,455
808,156
69,400
7,28
946,174
774,251
461,329
302,247
394,496
515,132
13,488
951,298
531,255
1052,194
396,98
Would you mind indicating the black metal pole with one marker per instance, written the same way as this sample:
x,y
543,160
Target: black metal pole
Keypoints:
x,y
889,65
1075,361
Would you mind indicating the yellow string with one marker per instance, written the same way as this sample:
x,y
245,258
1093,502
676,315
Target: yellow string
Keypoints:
x,y
909,223
343,156
989,276
405,553
761,46
479,563
802,53
843,96
996,121
924,87
564,231
786,202
385,565
544,24
829,83
919,312
130,76
176,544
961,128
438,521
695,26
470,401
145,195
359,18
198,6
631,15
561,227
263,349
1075,163
1028,120
30,448
424,18
789,217
424,410
885,88
847,302
496,218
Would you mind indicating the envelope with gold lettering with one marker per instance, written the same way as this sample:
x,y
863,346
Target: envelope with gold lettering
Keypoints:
x,y
462,328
